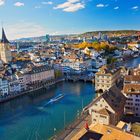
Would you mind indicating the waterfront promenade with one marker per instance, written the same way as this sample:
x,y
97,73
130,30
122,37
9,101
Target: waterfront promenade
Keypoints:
x,y
32,88
73,128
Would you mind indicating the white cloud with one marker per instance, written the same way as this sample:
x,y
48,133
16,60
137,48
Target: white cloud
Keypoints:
x,y
19,4
37,7
135,8
2,2
116,8
71,6
47,2
74,7
100,5
24,29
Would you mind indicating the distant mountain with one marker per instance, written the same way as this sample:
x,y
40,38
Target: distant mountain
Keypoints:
x,y
86,34
32,39
112,33
41,38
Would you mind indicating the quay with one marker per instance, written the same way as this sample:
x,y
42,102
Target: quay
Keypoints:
x,y
33,88
37,86
45,84
73,128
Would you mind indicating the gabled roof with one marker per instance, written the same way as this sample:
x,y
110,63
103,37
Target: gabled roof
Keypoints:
x,y
114,98
4,38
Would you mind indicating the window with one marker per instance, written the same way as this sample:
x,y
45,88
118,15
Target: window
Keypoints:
x,y
136,114
95,104
103,116
127,107
137,100
136,108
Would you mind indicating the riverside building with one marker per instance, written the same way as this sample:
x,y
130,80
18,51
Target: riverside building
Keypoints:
x,y
106,78
131,90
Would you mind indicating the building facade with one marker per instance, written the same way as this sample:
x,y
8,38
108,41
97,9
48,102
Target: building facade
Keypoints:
x,y
41,73
108,108
106,78
4,89
131,90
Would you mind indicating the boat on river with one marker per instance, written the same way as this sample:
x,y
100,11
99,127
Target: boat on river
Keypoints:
x,y
55,99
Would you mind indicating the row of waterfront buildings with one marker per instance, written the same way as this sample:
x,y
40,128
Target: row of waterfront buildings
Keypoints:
x,y
118,95
25,80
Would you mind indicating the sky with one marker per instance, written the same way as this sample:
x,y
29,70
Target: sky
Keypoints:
x,y
30,18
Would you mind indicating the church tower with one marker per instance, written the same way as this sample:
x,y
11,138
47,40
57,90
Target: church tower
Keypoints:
x,y
5,53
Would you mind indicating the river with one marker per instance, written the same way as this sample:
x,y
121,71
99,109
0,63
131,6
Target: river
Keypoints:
x,y
33,117
133,62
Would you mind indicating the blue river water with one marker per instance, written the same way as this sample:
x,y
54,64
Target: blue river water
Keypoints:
x,y
35,116
133,62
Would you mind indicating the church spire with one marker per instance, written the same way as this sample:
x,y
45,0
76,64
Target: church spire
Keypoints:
x,y
4,38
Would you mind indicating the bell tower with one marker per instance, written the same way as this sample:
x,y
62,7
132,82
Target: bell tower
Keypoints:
x,y
5,53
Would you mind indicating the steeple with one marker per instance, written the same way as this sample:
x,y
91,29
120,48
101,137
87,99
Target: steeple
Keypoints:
x,y
4,38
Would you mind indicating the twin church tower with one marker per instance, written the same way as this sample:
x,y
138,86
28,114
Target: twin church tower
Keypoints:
x,y
5,52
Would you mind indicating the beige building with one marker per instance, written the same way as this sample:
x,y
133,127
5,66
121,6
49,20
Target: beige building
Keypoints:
x,y
131,90
5,53
108,108
106,78
41,73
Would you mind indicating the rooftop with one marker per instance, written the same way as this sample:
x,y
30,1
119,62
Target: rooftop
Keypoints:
x,y
113,97
132,78
107,70
131,89
103,132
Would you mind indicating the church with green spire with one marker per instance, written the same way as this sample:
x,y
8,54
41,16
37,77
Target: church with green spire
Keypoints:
x,y
5,52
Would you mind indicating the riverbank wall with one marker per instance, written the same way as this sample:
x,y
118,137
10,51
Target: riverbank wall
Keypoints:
x,y
8,98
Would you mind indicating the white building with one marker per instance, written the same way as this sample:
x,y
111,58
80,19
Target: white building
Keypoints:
x,y
76,66
23,79
134,44
4,90
14,86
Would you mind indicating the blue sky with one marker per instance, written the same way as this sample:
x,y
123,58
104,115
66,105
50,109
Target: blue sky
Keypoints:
x,y
25,18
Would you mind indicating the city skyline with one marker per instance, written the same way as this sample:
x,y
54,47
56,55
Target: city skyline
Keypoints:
x,y
24,18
